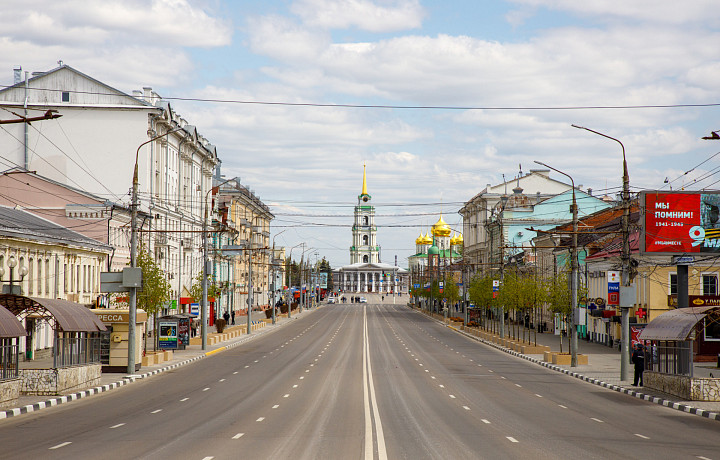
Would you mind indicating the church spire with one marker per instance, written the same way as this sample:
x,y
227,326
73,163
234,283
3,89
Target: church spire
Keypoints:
x,y
364,188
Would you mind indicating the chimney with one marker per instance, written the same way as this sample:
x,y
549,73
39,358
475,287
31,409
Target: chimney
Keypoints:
x,y
147,90
17,74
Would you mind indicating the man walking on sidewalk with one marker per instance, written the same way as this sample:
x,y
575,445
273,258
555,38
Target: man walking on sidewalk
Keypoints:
x,y
638,359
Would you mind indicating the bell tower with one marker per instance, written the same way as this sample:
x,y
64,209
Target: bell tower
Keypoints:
x,y
364,248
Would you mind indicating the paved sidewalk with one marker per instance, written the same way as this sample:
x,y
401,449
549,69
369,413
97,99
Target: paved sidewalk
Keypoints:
x,y
603,369
110,380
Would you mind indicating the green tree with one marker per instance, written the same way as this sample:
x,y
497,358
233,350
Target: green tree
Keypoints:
x,y
451,291
480,291
559,297
196,291
156,288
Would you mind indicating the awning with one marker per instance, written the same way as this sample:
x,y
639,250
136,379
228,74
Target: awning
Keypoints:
x,y
69,316
675,324
9,325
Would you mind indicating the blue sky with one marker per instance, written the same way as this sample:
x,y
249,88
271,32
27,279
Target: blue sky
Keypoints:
x,y
306,162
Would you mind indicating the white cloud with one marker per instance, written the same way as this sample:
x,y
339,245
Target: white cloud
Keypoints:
x,y
384,16
661,12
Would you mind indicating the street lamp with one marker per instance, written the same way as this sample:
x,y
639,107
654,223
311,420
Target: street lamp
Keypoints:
x,y
206,263
625,257
132,293
574,271
12,263
303,298
274,282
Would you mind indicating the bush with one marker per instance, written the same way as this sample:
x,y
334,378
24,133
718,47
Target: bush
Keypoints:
x,y
284,308
456,319
268,313
220,325
472,324
294,306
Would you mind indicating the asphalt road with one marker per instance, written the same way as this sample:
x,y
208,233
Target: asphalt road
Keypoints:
x,y
360,381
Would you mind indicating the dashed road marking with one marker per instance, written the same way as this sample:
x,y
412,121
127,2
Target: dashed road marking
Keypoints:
x,y
117,426
564,407
596,419
452,396
60,445
184,399
287,395
641,436
206,389
539,396
238,436
511,439
518,385
260,419
156,411
484,420
221,380
466,408
276,406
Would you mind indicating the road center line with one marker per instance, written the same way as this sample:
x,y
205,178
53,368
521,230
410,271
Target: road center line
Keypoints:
x,y
511,439
117,426
156,411
370,399
596,419
641,436
184,399
238,436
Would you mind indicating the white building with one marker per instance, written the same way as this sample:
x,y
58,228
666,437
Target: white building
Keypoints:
x,y
93,147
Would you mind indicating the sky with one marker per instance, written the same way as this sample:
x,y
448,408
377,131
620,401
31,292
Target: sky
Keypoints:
x,y
499,83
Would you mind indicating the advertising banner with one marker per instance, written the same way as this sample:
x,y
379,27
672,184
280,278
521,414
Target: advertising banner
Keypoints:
x,y
681,222
168,336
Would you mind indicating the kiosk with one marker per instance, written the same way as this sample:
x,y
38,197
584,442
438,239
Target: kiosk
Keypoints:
x,y
114,341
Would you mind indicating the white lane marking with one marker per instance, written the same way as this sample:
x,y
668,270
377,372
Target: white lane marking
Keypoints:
x,y
511,439
596,419
420,364
208,458
235,372
503,377
442,386
302,378
221,380
369,399
184,399
427,370
452,396
238,436
307,370
539,396
206,389
518,385
260,419
490,370
432,377
641,436
256,360
156,411
276,406
484,420
117,426
246,367
702,458
287,395
466,408
564,407
60,445
294,386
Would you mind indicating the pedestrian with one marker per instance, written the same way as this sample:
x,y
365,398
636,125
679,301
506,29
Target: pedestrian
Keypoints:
x,y
226,317
232,315
638,359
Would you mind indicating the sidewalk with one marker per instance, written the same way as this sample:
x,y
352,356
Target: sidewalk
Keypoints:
x,y
109,380
603,369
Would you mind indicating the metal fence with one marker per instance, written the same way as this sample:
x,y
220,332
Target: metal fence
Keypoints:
x,y
9,357
669,357
73,348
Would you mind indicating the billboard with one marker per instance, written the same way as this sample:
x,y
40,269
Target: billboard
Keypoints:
x,y
680,222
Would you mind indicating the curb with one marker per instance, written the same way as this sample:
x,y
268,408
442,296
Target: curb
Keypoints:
x,y
56,401
620,389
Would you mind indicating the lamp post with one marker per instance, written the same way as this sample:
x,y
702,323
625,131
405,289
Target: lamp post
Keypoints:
x,y
303,296
274,282
501,215
574,271
206,266
132,293
625,258
12,263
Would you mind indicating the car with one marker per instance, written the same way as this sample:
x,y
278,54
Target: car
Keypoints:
x,y
332,300
363,300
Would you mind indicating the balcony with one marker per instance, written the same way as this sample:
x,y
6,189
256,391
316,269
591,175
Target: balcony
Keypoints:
x,y
187,242
161,239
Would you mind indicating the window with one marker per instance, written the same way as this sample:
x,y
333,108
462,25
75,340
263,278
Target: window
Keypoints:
x,y
66,96
365,259
365,240
365,220
709,284
673,284
711,325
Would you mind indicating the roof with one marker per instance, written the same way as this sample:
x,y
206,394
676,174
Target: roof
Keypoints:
x,y
360,266
676,324
17,223
9,325
69,316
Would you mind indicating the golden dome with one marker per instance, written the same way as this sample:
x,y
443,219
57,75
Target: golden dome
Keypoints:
x,y
456,239
427,239
441,228
420,239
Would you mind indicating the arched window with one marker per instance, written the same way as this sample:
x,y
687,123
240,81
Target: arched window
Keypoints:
x,y
365,240
366,221
365,259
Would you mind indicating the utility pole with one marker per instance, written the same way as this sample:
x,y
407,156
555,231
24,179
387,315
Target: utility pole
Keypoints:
x,y
625,259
